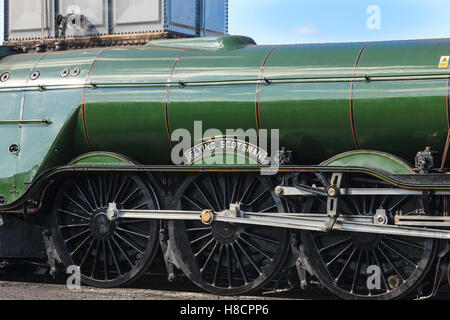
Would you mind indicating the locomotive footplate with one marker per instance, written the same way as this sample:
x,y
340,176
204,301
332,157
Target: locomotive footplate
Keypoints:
x,y
300,221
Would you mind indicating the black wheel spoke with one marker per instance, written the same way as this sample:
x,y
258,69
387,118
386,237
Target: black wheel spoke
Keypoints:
x,y
194,203
357,269
213,189
268,208
198,229
401,255
130,195
258,197
335,244
73,225
77,235
230,272
143,204
113,255
94,197
248,258
80,245
406,243
204,196
97,249
73,214
234,192
122,252
209,257
88,251
201,238
260,237
391,264
84,197
77,204
255,248
100,191
128,243
123,185
383,276
218,265
336,257
204,247
133,233
345,266
105,261
398,203
239,263
247,190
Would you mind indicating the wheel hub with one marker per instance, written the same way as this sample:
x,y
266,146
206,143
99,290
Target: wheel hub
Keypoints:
x,y
101,226
225,233
366,241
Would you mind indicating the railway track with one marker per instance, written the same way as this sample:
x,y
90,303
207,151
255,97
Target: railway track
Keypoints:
x,y
24,284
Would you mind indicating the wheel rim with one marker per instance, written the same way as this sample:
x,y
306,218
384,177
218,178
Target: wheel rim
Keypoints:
x,y
341,259
109,253
228,258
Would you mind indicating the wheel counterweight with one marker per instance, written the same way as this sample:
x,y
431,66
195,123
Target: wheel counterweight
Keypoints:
x,y
109,253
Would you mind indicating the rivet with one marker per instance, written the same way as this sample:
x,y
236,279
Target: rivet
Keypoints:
x,y
76,72
65,73
5,76
35,75
14,148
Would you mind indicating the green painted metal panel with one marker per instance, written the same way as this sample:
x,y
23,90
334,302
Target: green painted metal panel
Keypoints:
x,y
402,117
310,115
136,113
219,107
325,99
38,148
19,67
370,159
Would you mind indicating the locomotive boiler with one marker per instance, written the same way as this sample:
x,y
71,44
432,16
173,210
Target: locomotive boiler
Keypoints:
x,y
361,178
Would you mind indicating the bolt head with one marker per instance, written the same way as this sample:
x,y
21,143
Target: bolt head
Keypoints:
x,y
332,192
279,191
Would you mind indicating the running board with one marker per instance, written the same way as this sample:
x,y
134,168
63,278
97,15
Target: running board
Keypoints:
x,y
299,221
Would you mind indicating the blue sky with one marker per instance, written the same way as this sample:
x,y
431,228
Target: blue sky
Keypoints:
x,y
304,21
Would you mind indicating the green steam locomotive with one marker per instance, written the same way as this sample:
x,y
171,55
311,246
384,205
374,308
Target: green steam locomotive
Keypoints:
x,y
93,172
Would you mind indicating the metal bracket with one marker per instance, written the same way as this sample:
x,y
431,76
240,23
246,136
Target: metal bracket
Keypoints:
x,y
169,258
332,201
301,263
52,254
